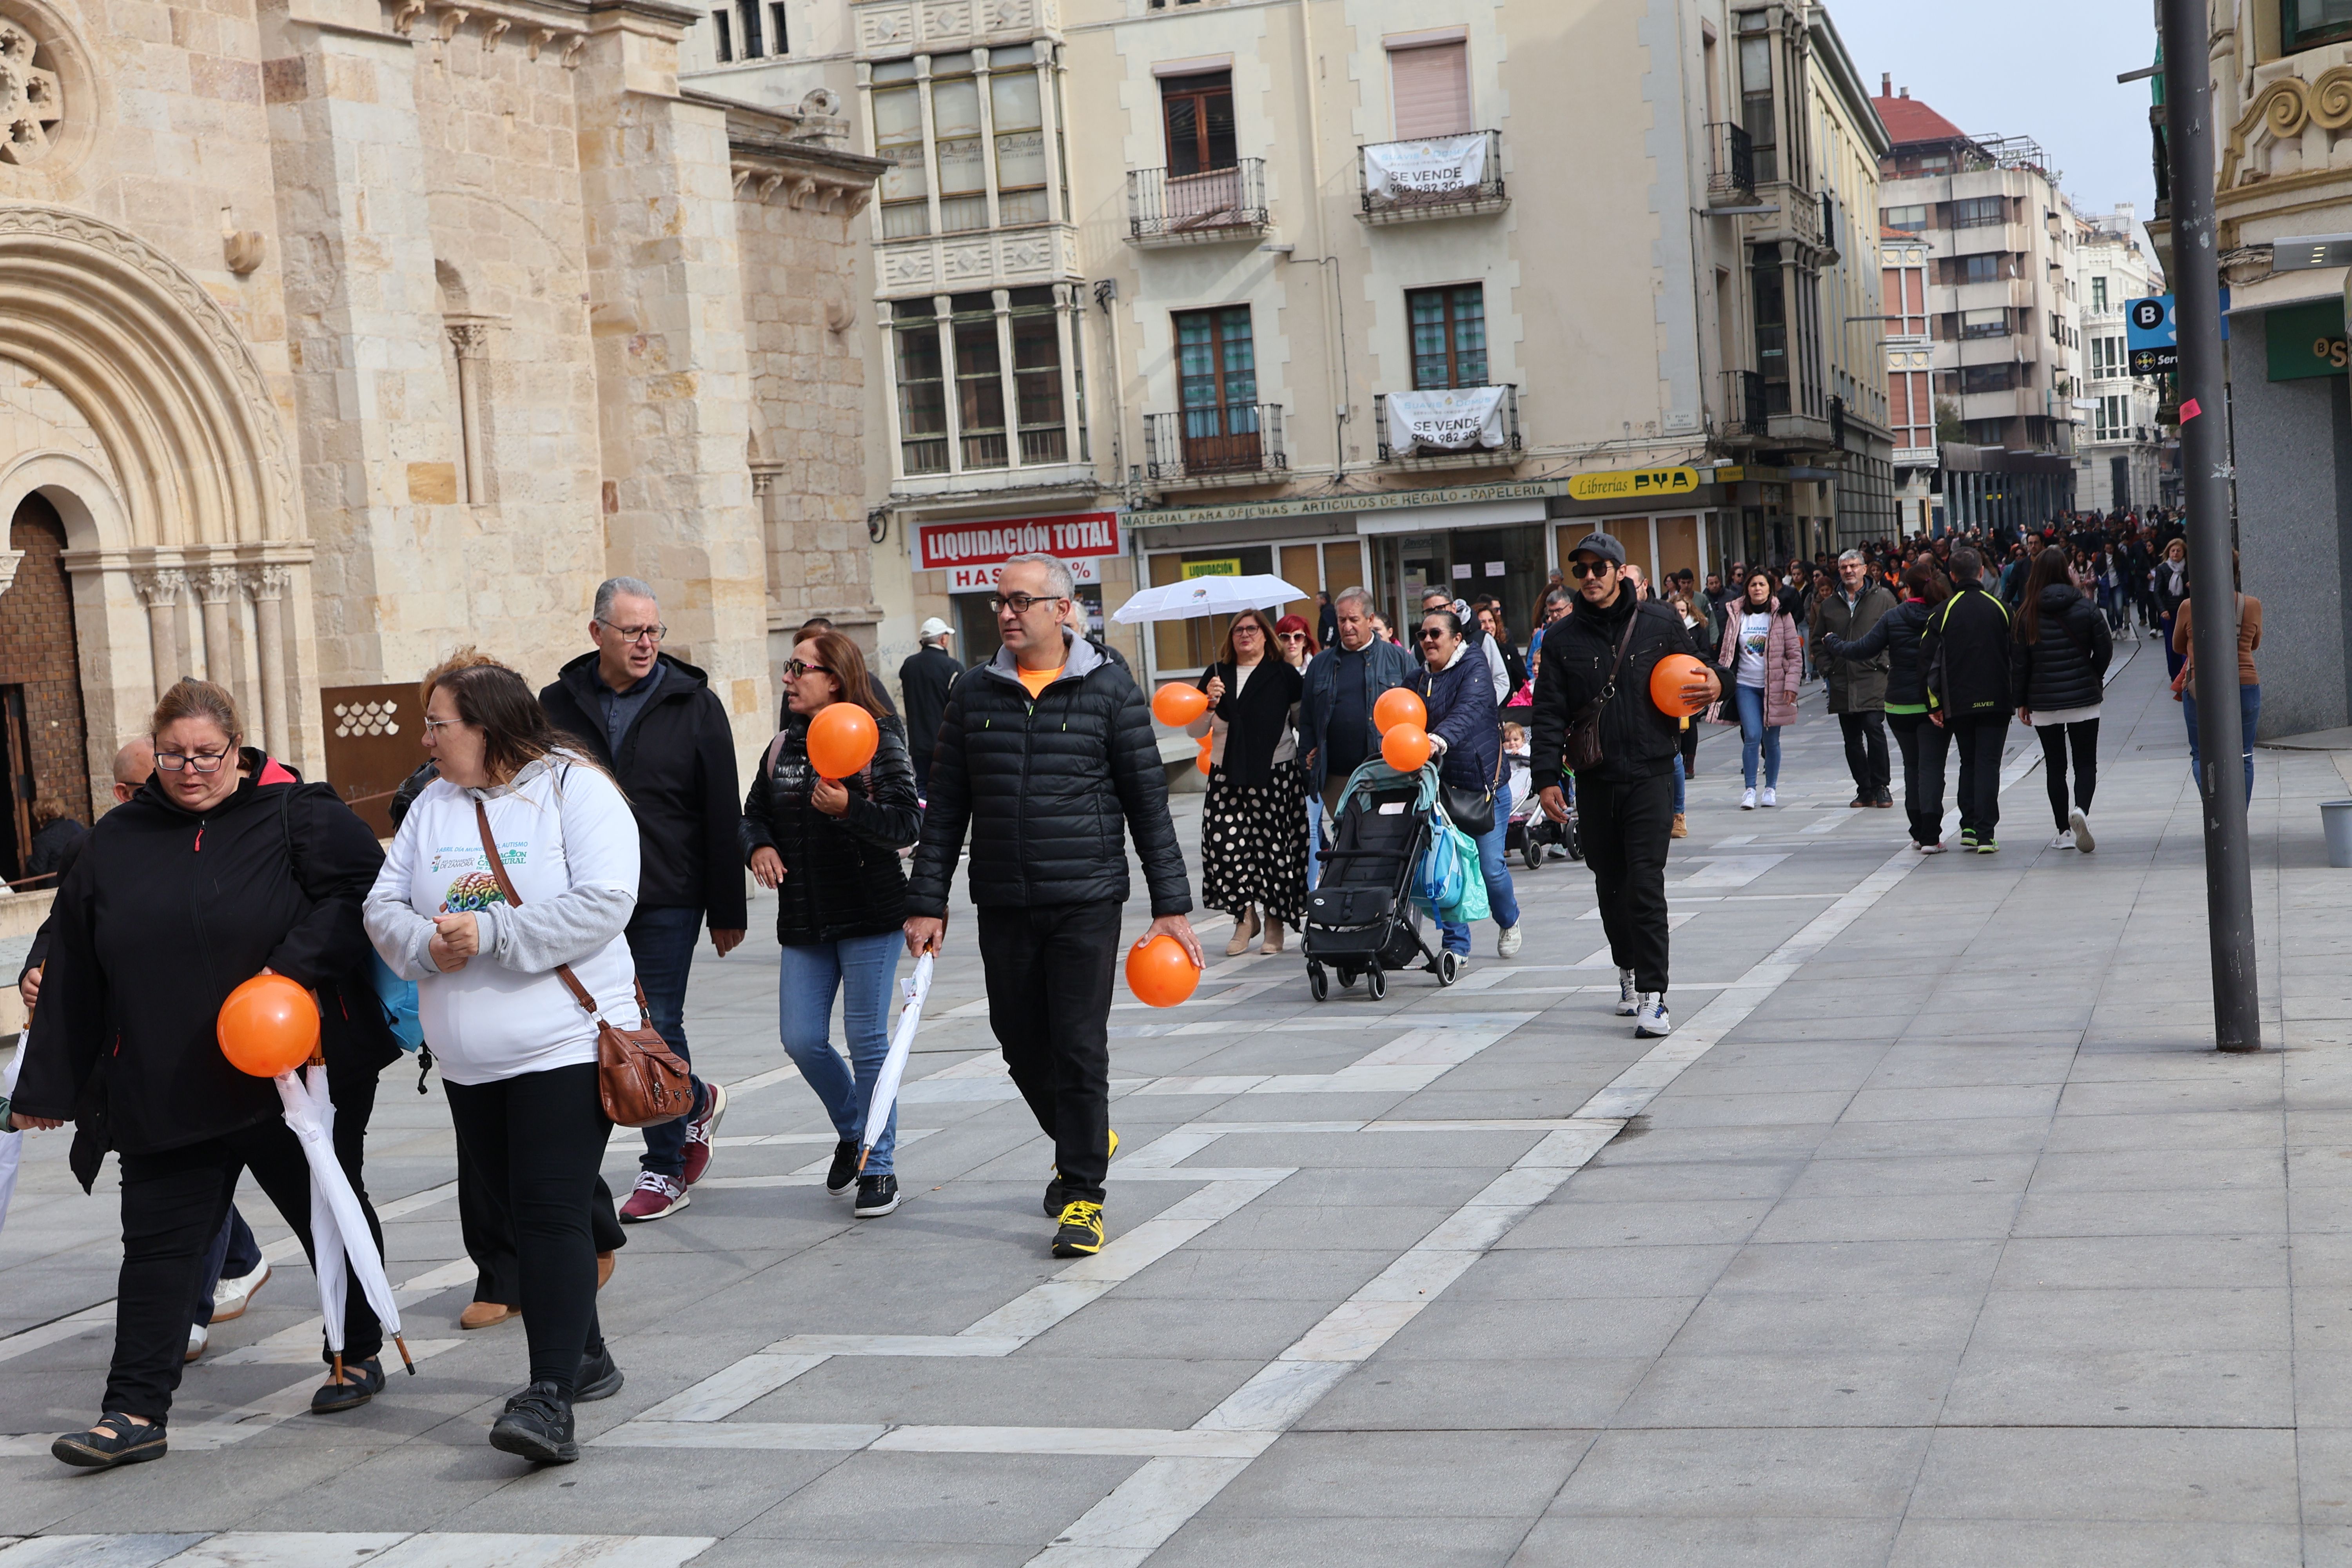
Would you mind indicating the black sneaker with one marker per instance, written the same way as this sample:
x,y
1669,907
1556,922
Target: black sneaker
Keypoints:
x,y
1057,1198
1081,1232
361,1380
843,1174
538,1426
877,1195
115,1440
599,1377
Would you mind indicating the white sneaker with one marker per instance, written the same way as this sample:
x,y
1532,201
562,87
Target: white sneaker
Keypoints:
x,y
231,1296
2063,841
1508,944
1649,1020
199,1337
2082,830
1937,847
1767,798
1627,1004
1748,801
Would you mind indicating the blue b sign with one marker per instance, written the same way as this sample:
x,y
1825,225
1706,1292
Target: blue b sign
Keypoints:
x,y
2152,336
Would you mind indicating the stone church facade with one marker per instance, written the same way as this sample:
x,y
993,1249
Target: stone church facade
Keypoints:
x,y
335,333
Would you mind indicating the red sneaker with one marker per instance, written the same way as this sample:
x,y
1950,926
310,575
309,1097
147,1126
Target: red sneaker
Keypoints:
x,y
656,1195
698,1130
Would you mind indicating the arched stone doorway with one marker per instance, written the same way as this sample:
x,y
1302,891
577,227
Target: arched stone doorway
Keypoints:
x,y
42,725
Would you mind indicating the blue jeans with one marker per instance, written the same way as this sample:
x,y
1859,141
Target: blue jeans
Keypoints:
x,y
1502,901
861,968
1755,734
661,942
1682,784
2249,707
1313,838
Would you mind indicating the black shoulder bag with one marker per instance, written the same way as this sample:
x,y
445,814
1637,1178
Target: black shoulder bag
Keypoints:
x,y
1583,748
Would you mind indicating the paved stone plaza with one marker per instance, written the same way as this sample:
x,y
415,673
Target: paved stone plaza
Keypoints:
x,y
1932,1236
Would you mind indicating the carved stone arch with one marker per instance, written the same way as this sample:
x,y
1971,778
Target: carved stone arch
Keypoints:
x,y
164,377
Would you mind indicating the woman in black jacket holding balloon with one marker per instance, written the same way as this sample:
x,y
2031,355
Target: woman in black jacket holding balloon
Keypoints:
x,y
829,846
223,866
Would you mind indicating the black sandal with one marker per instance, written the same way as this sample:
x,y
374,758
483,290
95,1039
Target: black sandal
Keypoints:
x,y
359,1382
115,1440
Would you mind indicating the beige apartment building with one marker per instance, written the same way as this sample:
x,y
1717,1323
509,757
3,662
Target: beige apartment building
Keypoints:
x,y
1382,292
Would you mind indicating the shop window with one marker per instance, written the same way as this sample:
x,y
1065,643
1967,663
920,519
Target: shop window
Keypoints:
x,y
922,390
1019,127
1037,376
905,186
1449,336
1429,86
979,381
2306,24
1198,114
1216,370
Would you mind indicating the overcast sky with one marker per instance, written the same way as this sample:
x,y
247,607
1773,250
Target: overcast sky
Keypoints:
x,y
2044,68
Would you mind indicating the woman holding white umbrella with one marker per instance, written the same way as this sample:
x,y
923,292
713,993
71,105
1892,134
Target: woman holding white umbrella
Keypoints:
x,y
1254,826
224,865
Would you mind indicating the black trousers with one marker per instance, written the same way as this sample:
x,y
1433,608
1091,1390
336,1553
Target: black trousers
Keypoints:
x,y
486,1225
1865,753
1049,970
1978,740
2083,739
539,1138
1927,747
1626,826
1690,748
172,1205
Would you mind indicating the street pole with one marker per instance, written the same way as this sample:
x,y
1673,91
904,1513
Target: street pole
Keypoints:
x,y
2205,491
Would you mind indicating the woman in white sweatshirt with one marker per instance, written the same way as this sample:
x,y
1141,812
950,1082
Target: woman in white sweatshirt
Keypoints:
x,y
517,1054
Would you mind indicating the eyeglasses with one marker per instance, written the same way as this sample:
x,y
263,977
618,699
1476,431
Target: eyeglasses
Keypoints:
x,y
796,668
433,727
1589,568
1249,629
201,762
635,633
1020,604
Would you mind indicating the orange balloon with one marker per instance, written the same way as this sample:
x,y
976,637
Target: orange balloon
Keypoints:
x,y
1405,748
841,740
268,1025
1673,673
1398,706
1176,704
1159,971
1208,745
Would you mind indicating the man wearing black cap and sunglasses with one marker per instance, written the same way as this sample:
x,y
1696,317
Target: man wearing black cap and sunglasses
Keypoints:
x,y
1596,671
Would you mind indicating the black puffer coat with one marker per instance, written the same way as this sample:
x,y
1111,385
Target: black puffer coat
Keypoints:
x,y
1045,788
1637,741
2063,668
1895,634
842,874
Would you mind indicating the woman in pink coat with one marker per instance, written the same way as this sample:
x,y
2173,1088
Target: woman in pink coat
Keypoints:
x,y
1762,658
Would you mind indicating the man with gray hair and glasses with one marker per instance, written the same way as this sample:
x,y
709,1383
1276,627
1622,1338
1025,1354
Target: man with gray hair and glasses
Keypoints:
x,y
1343,682
656,725
1047,757
1857,686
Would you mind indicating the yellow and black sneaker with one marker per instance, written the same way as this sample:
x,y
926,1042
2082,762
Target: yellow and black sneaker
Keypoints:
x,y
1057,1197
1081,1234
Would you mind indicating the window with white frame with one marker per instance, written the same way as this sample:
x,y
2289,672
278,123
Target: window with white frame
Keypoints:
x,y
980,380
965,136
2111,418
750,30
2106,358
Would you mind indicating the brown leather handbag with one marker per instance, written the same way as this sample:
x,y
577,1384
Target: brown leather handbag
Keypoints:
x,y
640,1079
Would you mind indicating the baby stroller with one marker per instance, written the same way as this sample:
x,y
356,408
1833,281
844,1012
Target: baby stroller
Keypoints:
x,y
1530,832
1360,918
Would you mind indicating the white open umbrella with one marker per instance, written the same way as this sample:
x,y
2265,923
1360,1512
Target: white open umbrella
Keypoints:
x,y
11,1145
1207,596
339,1229
894,1066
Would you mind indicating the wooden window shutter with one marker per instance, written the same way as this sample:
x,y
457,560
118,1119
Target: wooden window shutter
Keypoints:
x,y
1432,88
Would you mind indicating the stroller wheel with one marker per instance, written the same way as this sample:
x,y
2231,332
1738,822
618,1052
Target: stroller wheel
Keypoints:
x,y
1318,984
1533,854
1347,976
1376,982
1575,843
1449,967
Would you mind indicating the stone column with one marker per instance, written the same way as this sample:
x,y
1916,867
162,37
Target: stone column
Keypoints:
x,y
268,585
218,587
160,589
469,338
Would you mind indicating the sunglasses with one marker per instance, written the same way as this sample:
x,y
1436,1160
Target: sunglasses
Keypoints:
x,y
1430,634
1589,568
796,668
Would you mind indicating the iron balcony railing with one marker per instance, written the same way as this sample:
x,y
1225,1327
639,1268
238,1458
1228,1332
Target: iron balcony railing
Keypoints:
x,y
1457,175
1216,204
1746,408
1231,439
1506,452
1731,164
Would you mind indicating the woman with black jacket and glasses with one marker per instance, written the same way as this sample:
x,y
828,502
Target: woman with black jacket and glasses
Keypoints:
x,y
1925,745
2058,658
830,847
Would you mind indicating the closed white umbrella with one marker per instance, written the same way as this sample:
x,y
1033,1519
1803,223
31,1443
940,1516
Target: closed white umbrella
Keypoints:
x,y
1207,596
894,1066
339,1229
11,1145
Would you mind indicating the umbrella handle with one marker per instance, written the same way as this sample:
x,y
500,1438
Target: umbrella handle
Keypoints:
x,y
406,1360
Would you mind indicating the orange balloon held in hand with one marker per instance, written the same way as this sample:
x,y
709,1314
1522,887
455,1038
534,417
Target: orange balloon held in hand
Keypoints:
x,y
268,1025
1405,748
1178,705
1159,971
1668,679
841,740
1397,706
1208,745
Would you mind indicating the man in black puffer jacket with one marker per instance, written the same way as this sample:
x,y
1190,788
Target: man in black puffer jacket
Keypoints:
x,y
1626,805
1925,746
1046,754
2058,662
1965,651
